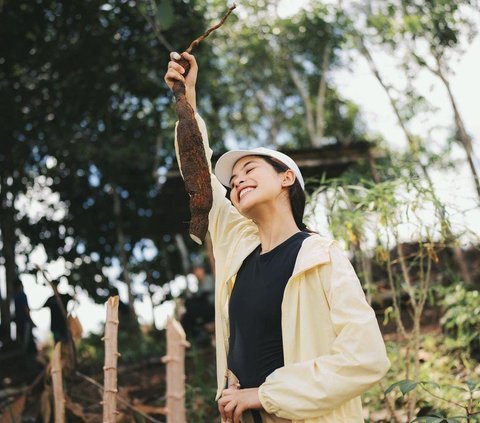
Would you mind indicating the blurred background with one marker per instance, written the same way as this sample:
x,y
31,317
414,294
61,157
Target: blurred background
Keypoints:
x,y
376,100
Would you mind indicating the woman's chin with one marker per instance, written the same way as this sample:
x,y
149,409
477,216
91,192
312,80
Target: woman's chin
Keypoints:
x,y
245,208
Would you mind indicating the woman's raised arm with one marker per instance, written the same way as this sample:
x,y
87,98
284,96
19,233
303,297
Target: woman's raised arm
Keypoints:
x,y
225,223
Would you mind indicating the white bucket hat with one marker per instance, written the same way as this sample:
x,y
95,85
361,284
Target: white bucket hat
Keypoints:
x,y
224,166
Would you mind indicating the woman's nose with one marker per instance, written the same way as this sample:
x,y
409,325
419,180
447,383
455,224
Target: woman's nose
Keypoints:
x,y
239,182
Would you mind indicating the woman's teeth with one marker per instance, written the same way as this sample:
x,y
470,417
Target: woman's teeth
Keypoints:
x,y
244,191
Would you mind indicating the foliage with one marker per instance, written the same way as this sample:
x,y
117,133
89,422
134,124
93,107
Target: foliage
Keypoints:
x,y
372,219
466,398
438,365
201,384
86,115
273,70
461,318
134,347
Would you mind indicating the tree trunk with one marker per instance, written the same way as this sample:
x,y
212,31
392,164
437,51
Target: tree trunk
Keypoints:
x,y
274,123
182,249
7,227
462,133
321,95
302,89
117,211
314,110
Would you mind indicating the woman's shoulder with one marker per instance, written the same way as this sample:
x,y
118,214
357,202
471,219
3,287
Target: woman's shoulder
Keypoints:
x,y
316,240
320,248
315,251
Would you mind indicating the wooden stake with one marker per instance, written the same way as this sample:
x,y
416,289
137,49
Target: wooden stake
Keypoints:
x,y
57,383
175,359
111,356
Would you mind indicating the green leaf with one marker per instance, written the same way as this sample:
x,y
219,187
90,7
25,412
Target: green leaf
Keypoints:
x,y
427,382
405,386
429,419
165,15
472,386
458,388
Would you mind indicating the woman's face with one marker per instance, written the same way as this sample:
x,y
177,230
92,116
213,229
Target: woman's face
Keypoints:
x,y
255,182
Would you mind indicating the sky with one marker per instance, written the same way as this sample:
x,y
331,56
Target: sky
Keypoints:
x,y
455,188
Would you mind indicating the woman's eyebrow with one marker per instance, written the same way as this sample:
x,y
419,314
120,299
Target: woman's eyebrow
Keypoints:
x,y
250,161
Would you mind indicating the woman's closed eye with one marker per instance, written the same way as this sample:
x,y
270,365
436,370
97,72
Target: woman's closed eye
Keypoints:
x,y
246,173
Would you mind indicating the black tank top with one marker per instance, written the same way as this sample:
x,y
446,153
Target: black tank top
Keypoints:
x,y
255,346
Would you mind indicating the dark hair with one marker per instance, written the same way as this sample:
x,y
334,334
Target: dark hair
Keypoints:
x,y
296,194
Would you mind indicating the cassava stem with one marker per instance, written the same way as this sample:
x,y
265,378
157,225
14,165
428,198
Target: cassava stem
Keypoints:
x,y
193,161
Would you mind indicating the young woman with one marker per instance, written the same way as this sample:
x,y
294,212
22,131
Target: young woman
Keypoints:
x,y
296,340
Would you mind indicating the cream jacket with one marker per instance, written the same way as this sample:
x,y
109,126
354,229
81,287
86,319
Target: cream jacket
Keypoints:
x,y
333,348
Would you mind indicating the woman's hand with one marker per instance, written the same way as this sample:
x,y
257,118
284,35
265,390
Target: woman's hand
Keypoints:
x,y
235,401
175,73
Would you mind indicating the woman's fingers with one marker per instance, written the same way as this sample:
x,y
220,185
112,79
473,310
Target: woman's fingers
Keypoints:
x,y
229,410
175,56
222,402
192,73
173,75
237,414
174,70
174,65
191,59
221,409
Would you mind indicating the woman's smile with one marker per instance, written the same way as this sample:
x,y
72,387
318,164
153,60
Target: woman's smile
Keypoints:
x,y
244,191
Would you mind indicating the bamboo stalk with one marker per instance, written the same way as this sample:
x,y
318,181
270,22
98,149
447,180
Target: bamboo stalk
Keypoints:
x,y
111,356
175,359
57,383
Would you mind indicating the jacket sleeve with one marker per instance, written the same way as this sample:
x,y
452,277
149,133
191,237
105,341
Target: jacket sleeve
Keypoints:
x,y
224,220
357,359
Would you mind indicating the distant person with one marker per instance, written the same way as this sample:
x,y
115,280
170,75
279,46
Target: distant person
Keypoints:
x,y
58,324
206,284
23,321
200,306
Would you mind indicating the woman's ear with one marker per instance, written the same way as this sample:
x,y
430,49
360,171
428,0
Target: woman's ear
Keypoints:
x,y
288,178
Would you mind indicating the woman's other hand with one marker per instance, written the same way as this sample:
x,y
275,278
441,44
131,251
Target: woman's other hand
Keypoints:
x,y
235,401
175,73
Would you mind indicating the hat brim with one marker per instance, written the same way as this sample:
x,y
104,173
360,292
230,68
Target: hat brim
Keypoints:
x,y
226,162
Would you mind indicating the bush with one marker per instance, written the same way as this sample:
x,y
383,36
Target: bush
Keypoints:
x,y
461,318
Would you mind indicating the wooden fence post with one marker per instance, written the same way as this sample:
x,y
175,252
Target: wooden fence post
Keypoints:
x,y
175,359
111,356
57,383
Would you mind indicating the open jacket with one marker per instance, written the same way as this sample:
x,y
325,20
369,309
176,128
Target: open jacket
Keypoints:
x,y
332,345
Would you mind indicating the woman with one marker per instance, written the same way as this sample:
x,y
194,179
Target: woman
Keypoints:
x,y
296,340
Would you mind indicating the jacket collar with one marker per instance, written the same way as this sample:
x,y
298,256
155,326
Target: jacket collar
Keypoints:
x,y
312,253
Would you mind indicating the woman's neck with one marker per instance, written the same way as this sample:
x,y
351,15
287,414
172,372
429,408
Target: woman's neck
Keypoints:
x,y
275,228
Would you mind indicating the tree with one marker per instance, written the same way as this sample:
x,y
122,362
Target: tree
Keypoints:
x,y
430,33
277,74
405,104
85,116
